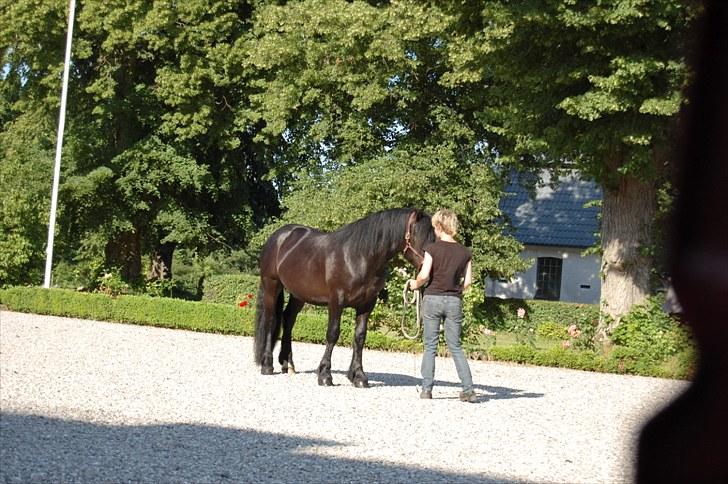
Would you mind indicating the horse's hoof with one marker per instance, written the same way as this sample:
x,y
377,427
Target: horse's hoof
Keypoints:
x,y
291,370
325,382
266,370
361,383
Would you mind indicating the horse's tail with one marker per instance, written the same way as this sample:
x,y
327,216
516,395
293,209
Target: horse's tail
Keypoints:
x,y
266,325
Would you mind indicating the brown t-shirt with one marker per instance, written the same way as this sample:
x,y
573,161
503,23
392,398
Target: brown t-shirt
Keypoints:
x,y
449,261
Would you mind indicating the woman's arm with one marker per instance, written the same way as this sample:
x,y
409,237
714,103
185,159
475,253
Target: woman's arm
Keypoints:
x,y
468,275
424,274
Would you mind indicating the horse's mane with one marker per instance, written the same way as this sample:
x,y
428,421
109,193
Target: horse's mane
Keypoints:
x,y
378,232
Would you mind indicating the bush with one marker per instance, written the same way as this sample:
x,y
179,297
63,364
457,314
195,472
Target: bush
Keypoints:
x,y
178,314
549,329
230,288
552,317
650,333
566,358
501,314
518,353
161,312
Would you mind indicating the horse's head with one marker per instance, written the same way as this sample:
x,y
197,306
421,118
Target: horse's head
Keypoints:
x,y
418,234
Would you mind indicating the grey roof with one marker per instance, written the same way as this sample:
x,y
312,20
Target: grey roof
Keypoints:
x,y
555,216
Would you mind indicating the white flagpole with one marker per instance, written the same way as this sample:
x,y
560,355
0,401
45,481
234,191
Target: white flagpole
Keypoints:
x,y
59,146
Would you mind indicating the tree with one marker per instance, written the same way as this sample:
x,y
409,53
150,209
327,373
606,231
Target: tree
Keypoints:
x,y
594,87
24,199
356,98
28,117
158,153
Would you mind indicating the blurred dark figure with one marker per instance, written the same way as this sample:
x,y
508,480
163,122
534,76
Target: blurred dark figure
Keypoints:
x,y
688,441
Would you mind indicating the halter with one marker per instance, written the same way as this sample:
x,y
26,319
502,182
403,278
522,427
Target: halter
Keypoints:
x,y
407,246
407,237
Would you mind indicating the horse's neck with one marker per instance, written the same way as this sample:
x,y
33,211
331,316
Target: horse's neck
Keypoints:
x,y
389,243
393,248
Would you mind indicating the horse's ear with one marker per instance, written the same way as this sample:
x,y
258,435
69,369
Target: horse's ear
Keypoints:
x,y
414,216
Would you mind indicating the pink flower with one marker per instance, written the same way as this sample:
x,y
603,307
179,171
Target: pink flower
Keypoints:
x,y
521,313
566,344
574,331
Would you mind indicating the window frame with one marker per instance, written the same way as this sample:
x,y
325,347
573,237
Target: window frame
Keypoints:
x,y
549,274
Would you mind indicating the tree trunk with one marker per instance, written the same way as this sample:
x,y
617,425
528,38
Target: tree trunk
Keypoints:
x,y
161,263
628,209
124,252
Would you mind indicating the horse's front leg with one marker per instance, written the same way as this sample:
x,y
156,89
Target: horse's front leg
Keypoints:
x,y
332,336
356,372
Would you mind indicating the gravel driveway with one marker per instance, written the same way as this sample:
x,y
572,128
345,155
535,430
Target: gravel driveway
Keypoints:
x,y
85,401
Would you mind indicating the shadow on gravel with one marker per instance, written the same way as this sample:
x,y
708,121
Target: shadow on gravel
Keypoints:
x,y
39,449
485,392
491,392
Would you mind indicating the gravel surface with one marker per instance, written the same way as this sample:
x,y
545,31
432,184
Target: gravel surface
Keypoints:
x,y
86,401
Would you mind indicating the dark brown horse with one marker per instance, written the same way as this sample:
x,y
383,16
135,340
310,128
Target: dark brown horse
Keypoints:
x,y
346,268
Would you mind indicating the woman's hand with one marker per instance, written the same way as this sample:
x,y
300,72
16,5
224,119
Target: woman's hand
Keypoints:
x,y
412,284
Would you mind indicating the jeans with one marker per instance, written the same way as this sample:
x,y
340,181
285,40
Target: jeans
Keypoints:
x,y
434,310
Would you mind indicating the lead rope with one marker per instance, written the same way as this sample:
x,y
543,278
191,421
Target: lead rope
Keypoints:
x,y
416,301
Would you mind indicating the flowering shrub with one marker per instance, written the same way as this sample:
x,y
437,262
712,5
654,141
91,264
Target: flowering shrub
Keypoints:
x,y
523,329
229,288
573,332
247,301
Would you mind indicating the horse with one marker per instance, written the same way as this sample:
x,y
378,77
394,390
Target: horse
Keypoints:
x,y
341,269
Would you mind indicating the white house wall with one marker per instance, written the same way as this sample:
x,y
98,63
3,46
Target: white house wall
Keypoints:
x,y
580,281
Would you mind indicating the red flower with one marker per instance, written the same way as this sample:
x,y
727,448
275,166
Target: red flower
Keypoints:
x,y
249,296
243,304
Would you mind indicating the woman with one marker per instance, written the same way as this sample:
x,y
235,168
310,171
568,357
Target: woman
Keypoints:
x,y
448,267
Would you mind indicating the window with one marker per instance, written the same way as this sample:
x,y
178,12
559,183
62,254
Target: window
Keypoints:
x,y
548,278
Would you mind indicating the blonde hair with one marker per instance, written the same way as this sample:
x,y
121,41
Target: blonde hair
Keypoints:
x,y
446,221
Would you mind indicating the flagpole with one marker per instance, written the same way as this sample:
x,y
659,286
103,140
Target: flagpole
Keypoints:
x,y
59,146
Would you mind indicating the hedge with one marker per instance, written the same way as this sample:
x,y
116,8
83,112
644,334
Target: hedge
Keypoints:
x,y
229,288
177,314
499,314
147,310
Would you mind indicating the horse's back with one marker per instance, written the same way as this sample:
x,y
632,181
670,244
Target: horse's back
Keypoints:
x,y
295,255
292,242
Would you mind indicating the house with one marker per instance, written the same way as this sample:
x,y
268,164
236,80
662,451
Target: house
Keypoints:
x,y
555,228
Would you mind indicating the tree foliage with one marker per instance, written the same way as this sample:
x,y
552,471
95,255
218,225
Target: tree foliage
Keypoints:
x,y
157,153
594,84
194,124
595,87
363,99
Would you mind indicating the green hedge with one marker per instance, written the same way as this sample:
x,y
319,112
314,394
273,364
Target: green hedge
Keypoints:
x,y
147,310
230,288
494,313
501,314
557,357
178,314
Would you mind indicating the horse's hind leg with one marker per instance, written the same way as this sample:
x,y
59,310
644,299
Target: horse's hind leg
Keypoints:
x,y
285,358
272,309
